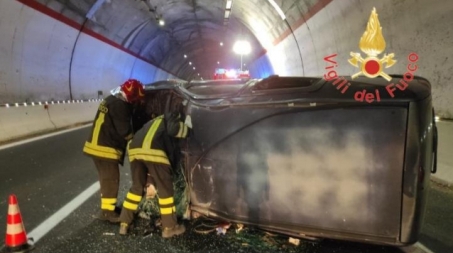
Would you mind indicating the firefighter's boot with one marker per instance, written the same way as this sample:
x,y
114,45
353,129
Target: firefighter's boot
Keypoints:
x,y
110,216
176,230
124,227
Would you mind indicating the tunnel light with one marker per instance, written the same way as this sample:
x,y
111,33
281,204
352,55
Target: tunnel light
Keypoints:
x,y
7,105
227,14
242,47
51,102
64,102
198,74
25,104
161,22
277,8
228,4
218,62
436,118
46,103
221,44
39,103
32,103
94,8
17,105
190,63
58,102
194,68
185,56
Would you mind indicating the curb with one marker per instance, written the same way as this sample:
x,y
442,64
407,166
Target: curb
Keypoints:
x,y
440,181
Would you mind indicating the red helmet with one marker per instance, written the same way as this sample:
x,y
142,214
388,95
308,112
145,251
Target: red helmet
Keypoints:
x,y
133,90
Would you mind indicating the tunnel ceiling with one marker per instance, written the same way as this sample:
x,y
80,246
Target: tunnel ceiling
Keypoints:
x,y
195,28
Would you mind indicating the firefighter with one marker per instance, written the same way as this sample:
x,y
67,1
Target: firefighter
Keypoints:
x,y
107,142
150,152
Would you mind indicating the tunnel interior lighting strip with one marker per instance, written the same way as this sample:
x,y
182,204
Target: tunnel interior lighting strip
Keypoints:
x,y
7,105
277,8
229,3
226,18
94,8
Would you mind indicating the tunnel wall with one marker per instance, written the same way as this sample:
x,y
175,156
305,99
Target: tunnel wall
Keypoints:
x,y
44,57
21,121
423,27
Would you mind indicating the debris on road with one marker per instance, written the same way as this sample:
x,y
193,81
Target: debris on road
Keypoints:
x,y
294,241
239,227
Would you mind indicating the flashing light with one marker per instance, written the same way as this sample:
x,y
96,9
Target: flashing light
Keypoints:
x,y
231,73
221,73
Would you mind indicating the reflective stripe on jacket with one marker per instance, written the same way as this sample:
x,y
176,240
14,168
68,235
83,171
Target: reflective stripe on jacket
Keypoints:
x,y
111,128
148,143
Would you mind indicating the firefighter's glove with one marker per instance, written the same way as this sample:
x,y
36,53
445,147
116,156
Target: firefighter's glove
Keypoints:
x,y
188,121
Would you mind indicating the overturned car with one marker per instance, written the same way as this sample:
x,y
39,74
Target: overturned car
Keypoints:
x,y
293,155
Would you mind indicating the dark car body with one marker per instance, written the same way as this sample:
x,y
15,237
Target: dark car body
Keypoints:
x,y
296,156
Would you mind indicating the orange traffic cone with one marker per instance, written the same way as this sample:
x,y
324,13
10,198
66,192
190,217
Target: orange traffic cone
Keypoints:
x,y
16,237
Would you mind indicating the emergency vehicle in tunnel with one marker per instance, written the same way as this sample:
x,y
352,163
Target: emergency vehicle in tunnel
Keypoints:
x,y
293,156
221,73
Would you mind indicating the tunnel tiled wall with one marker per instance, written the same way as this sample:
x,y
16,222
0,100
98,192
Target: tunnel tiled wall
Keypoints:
x,y
43,57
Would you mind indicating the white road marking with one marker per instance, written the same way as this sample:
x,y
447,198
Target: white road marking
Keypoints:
x,y
423,247
57,217
42,137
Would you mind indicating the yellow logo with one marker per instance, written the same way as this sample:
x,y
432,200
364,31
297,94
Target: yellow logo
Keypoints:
x,y
372,44
129,88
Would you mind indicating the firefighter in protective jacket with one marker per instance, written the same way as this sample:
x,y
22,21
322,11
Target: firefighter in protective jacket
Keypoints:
x,y
107,142
149,153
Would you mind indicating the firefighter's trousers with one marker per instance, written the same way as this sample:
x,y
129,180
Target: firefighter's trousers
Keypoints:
x,y
162,177
109,179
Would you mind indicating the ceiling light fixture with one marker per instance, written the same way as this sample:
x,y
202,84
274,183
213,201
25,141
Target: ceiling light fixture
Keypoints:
x,y
277,8
157,16
229,3
228,6
227,14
